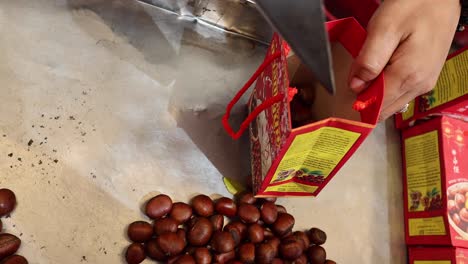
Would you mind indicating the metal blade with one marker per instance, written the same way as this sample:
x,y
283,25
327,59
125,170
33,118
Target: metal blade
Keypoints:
x,y
302,24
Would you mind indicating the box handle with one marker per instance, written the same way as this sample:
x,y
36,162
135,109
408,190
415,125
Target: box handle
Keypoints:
x,y
266,104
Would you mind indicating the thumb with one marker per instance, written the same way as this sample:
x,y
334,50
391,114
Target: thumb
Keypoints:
x,y
373,57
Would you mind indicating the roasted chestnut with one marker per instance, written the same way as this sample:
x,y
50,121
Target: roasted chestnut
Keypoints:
x,y
283,224
246,197
303,238
291,249
200,232
247,253
268,212
317,236
281,209
226,206
267,233
264,253
277,261
140,231
182,234
224,257
7,201
217,221
302,259
154,251
181,212
239,226
222,242
165,225
185,259
275,242
158,206
255,233
248,213
135,253
202,255
203,205
316,254
171,244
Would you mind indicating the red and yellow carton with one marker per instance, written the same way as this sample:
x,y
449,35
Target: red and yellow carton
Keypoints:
x,y
437,255
435,169
300,159
449,97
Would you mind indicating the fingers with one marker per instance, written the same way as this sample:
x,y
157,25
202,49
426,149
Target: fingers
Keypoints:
x,y
374,56
409,41
405,79
397,105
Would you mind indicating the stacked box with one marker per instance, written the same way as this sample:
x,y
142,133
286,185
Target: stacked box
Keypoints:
x,y
435,168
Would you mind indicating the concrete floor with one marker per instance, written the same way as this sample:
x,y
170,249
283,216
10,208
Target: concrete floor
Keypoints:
x,y
123,102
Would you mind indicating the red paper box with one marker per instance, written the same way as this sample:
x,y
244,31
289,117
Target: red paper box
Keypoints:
x,y
449,97
435,169
361,10
301,160
437,255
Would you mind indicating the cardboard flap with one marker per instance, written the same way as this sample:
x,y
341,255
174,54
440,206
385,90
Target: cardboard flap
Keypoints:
x,y
351,35
346,37
362,10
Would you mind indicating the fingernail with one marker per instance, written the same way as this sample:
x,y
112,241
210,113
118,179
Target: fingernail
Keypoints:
x,y
357,84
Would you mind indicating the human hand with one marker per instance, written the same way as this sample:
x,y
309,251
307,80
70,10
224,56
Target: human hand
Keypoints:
x,y
409,41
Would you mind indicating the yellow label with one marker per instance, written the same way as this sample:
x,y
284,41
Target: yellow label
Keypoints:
x,y
408,114
312,156
452,83
423,172
292,187
433,226
432,262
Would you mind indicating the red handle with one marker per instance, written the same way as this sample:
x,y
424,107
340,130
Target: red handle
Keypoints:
x,y
266,104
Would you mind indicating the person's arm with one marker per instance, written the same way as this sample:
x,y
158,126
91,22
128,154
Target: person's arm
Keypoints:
x,y
409,41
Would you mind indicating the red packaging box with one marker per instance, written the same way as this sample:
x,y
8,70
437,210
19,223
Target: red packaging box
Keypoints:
x,y
437,255
449,97
435,170
299,158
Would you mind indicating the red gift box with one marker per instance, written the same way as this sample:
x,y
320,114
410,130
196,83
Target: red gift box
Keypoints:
x,y
437,255
300,159
435,170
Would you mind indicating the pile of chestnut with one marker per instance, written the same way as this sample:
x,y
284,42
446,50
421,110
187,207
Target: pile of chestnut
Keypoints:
x,y
245,230
9,243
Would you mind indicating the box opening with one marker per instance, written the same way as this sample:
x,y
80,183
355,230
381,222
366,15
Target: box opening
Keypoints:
x,y
312,102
